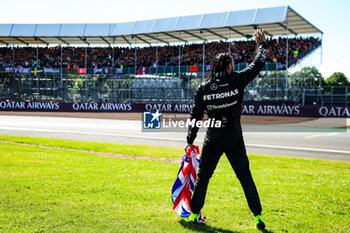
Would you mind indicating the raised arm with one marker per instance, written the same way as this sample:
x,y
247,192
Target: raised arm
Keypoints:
x,y
249,73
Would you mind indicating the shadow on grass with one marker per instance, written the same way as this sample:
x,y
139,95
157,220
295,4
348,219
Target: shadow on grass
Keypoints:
x,y
205,228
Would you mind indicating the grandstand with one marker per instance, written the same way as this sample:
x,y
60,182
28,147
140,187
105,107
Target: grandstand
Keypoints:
x,y
160,60
191,55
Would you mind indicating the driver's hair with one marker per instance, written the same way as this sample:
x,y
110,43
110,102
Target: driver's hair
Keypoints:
x,y
218,65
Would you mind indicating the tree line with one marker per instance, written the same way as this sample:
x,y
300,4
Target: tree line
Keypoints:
x,y
336,79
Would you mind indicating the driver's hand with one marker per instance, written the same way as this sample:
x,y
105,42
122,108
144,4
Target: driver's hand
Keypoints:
x,y
259,36
188,146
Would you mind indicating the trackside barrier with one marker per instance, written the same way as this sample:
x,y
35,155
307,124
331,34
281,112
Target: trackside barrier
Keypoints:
x,y
132,70
268,110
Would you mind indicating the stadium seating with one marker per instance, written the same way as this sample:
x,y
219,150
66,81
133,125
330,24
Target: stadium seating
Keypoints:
x,y
191,54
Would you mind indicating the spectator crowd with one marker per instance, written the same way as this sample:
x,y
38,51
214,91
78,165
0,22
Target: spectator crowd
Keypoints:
x,y
191,54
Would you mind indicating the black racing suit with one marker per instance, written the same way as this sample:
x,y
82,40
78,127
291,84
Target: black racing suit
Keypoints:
x,y
222,99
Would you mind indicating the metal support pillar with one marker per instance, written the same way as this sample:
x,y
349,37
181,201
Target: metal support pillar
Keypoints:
x,y
157,55
13,55
36,64
86,84
179,56
321,47
135,57
113,40
203,59
320,78
287,50
37,56
61,81
229,43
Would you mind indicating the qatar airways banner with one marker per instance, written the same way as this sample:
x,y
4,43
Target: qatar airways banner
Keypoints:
x,y
267,110
301,111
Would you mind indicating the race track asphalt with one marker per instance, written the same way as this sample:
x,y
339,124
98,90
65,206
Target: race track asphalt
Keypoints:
x,y
330,145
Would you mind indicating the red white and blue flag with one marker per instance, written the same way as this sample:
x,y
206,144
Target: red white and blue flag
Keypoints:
x,y
184,184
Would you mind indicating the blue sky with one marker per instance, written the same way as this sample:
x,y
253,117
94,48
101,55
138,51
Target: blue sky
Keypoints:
x,y
332,17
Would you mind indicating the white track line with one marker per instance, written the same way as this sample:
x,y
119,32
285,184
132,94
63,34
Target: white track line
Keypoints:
x,y
87,133
180,140
299,148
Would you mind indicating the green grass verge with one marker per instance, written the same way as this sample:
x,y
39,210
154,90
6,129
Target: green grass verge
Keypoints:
x,y
47,190
138,150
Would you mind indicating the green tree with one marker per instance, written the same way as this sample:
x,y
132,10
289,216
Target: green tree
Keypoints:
x,y
337,79
311,72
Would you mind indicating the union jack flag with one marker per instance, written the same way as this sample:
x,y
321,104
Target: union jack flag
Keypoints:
x,y
184,184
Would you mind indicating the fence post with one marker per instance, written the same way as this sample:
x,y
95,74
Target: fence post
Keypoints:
x,y
303,98
346,96
332,93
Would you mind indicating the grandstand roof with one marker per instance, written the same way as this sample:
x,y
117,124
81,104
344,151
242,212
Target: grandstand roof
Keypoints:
x,y
214,26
